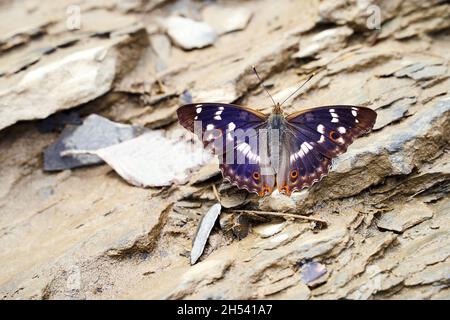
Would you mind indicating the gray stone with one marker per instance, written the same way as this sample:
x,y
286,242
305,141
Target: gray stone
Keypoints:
x,y
393,112
312,271
421,71
95,133
268,230
189,34
226,19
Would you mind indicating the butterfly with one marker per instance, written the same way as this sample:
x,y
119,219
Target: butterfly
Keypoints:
x,y
260,152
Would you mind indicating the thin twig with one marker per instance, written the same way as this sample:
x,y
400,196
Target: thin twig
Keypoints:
x,y
161,86
216,193
280,214
73,152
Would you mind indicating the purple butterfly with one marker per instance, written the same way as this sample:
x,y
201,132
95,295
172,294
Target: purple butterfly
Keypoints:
x,y
259,152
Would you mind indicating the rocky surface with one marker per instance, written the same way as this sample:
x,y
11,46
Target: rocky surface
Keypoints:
x,y
87,233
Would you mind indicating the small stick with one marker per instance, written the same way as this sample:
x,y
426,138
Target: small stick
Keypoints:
x,y
162,88
216,193
280,214
73,152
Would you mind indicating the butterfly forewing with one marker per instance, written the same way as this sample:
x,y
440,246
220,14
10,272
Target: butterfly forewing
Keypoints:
x,y
232,133
313,137
301,164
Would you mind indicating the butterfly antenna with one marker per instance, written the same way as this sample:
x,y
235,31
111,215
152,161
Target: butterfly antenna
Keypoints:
x,y
309,78
263,86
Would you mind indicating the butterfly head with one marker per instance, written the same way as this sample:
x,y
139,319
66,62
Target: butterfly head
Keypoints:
x,y
277,108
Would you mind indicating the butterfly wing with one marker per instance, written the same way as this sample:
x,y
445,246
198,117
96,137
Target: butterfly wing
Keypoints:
x,y
314,137
231,132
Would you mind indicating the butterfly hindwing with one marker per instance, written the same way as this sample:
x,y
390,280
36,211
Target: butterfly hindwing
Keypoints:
x,y
301,164
231,132
248,170
313,137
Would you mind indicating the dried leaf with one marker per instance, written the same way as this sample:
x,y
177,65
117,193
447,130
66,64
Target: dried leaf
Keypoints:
x,y
154,159
203,231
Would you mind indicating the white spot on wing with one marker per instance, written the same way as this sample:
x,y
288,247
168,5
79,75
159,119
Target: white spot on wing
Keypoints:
x,y
209,127
247,151
354,113
217,118
199,109
301,153
320,128
335,117
342,130
293,157
218,113
322,139
231,126
305,148
308,145
243,147
221,108
332,110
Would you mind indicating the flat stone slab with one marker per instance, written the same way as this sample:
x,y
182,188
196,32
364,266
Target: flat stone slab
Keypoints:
x,y
189,34
410,215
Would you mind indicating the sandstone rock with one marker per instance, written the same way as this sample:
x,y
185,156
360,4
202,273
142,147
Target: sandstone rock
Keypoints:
x,y
87,234
277,202
227,19
200,275
162,46
79,75
231,197
330,39
410,215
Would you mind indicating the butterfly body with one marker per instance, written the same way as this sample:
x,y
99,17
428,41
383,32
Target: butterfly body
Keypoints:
x,y
275,128
259,152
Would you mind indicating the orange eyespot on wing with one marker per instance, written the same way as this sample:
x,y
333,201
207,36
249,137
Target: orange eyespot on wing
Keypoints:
x,y
294,174
333,135
256,175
